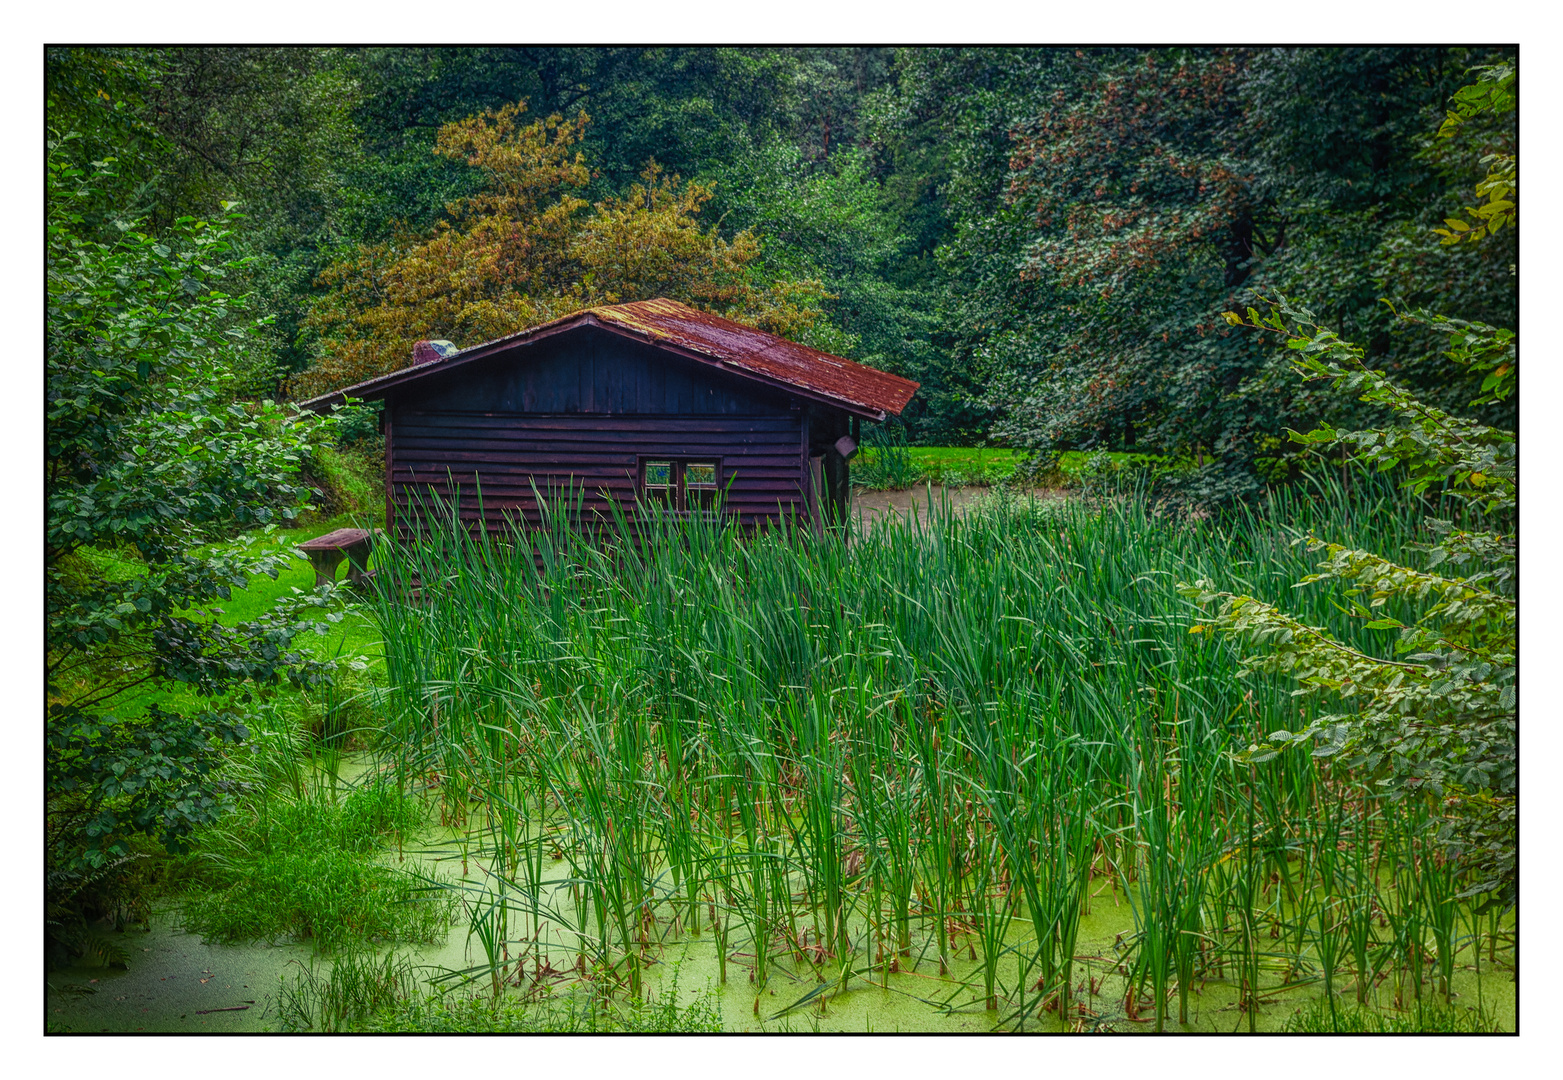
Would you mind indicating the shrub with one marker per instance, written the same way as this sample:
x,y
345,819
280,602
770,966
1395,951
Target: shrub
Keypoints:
x,y
1437,720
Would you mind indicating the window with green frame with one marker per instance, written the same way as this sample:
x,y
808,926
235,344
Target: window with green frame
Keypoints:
x,y
681,484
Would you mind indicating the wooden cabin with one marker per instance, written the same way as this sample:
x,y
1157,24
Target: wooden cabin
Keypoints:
x,y
649,401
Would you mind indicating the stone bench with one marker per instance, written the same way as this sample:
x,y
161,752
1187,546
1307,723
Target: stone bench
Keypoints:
x,y
327,552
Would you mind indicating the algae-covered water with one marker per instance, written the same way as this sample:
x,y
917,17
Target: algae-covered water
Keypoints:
x,y
918,999
176,982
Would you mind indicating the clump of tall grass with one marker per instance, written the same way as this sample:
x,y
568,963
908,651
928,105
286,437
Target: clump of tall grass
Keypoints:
x,y
1319,1019
337,996
928,743
367,993
886,463
306,868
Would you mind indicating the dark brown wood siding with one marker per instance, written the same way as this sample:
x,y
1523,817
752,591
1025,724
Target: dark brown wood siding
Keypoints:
x,y
577,414
495,459
590,371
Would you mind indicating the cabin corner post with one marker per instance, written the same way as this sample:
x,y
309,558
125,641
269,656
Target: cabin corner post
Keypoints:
x,y
838,484
855,433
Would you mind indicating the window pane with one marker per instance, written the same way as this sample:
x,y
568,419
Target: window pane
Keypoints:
x,y
700,474
659,473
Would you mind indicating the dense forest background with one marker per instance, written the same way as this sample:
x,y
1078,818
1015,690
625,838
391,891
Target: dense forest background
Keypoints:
x,y
1044,238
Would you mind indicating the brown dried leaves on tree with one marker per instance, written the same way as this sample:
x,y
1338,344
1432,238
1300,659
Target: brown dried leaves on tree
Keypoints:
x,y
526,250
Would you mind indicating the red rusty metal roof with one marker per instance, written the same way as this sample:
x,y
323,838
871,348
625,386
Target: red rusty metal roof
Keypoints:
x,y
747,349
712,339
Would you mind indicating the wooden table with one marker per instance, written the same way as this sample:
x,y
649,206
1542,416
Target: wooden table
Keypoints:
x,y
327,552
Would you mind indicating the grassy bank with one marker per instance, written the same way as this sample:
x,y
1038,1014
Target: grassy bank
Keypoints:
x,y
890,467
345,631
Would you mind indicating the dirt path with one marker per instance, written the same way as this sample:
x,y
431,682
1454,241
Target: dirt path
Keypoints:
x,y
871,506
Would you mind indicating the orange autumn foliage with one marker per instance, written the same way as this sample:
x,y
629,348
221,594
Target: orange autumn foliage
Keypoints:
x,y
526,250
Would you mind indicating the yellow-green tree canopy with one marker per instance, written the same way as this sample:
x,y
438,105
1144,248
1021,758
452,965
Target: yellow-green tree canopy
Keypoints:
x,y
526,250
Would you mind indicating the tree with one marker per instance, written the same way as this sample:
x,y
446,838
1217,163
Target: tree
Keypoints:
x,y
687,107
1494,93
192,128
827,221
1147,192
525,250
1440,717
143,456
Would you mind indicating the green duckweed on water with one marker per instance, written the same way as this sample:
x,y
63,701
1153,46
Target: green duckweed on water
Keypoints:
x,y
178,983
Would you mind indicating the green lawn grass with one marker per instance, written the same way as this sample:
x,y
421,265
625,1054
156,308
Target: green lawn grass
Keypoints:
x,y
960,465
353,635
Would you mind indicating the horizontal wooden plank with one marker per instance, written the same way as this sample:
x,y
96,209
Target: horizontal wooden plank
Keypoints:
x,y
501,506
771,466
574,478
407,446
405,532
430,495
401,458
497,438
545,484
431,472
491,487
505,531
499,510
715,422
598,427
423,503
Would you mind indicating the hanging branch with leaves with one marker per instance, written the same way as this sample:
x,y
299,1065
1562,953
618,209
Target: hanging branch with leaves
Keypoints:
x,y
1439,714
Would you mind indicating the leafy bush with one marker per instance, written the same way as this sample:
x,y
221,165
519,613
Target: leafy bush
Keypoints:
x,y
147,453
1100,472
1439,718
359,422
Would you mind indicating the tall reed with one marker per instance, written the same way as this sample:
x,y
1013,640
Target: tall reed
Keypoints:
x,y
861,754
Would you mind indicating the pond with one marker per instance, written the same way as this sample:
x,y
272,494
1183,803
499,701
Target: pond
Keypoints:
x,y
176,982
